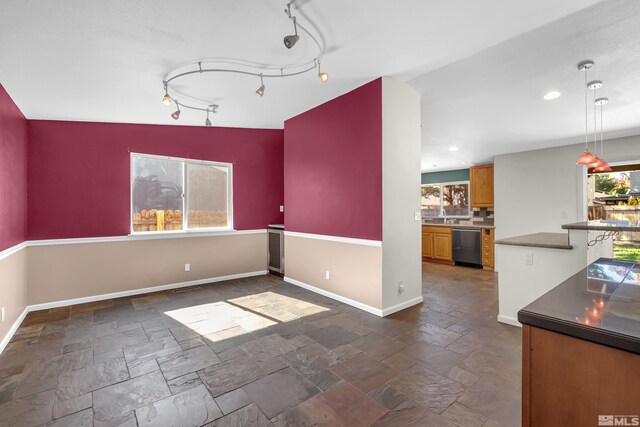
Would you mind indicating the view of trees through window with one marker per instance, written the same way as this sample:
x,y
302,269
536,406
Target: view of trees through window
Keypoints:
x,y
615,196
445,200
160,186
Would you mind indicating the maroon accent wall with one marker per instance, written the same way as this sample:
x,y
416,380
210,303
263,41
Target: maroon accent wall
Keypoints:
x,y
13,173
78,173
333,166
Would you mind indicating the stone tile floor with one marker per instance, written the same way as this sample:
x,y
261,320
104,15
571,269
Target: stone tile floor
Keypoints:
x,y
263,352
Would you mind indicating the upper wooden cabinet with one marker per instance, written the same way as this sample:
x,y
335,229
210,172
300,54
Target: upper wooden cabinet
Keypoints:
x,y
481,178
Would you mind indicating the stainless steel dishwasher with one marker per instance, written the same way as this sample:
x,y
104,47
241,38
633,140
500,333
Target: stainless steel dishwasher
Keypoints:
x,y
467,246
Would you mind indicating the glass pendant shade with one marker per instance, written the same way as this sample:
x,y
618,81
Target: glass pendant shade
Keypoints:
x,y
585,158
603,168
597,162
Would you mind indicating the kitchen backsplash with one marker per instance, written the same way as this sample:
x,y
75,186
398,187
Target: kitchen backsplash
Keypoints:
x,y
482,213
479,216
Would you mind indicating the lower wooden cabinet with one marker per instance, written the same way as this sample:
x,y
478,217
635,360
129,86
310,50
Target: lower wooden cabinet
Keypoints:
x,y
436,243
572,382
427,245
488,254
442,246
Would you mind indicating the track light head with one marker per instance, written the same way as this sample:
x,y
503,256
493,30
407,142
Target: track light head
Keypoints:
x,y
324,77
176,114
166,99
290,41
260,90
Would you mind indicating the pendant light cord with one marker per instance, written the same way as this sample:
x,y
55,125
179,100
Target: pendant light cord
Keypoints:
x,y
586,112
601,132
595,122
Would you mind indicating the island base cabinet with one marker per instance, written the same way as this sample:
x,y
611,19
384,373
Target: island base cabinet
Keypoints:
x,y
572,382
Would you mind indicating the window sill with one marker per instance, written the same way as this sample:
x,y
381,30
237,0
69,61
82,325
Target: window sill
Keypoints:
x,y
144,235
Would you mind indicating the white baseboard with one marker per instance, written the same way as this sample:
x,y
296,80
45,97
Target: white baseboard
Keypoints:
x,y
75,301
402,306
336,297
353,303
12,330
509,320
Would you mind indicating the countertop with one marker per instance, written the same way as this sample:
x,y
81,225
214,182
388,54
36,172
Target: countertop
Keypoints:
x,y
602,225
458,225
539,240
601,304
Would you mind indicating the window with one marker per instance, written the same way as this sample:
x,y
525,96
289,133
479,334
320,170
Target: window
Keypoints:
x,y
446,200
172,194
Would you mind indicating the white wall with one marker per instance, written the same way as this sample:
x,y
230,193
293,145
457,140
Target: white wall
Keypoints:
x,y
401,178
539,191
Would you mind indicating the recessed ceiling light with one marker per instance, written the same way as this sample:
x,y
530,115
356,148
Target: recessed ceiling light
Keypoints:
x,y
464,163
435,166
552,95
453,148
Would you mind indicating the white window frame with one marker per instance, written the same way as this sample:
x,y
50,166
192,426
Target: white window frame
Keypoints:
x,y
442,184
185,212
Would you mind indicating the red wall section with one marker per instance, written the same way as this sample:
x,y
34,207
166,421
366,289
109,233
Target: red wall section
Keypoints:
x,y
13,173
79,173
333,166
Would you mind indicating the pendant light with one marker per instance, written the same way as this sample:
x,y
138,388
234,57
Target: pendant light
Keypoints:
x,y
586,157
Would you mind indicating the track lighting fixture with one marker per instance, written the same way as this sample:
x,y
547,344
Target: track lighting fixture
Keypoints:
x,y
324,77
260,90
291,40
242,67
166,99
176,114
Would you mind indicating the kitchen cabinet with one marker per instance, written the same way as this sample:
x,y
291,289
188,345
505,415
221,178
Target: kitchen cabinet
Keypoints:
x,y
436,243
481,183
427,245
488,257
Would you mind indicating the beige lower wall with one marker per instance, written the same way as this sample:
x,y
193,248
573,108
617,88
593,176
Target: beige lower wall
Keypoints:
x,y
13,288
356,270
66,271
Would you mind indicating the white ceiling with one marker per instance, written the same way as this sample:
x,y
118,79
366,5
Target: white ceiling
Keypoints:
x,y
482,66
492,102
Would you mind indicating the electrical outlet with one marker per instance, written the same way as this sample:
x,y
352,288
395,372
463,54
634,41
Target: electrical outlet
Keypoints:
x,y
417,216
2,314
187,267
281,208
400,286
528,258
327,275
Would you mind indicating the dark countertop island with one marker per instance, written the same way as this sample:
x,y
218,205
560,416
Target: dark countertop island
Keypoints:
x,y
581,349
600,304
